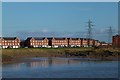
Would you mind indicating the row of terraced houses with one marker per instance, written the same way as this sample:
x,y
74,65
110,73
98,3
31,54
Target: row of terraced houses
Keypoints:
x,y
52,42
60,42
14,42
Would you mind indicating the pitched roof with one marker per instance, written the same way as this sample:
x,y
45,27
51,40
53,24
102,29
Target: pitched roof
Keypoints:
x,y
36,38
56,38
28,38
59,38
8,38
117,35
39,38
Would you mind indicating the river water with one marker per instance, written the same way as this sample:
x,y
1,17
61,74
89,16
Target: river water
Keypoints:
x,y
61,68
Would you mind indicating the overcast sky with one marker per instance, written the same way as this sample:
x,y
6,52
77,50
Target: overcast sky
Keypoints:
x,y
67,19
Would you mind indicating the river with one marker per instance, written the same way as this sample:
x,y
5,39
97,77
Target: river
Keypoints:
x,y
61,68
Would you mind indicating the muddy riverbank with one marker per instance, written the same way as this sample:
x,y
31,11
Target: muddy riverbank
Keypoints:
x,y
13,55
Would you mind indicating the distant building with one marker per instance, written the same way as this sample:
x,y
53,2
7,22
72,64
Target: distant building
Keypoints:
x,y
58,42
36,42
75,42
9,42
96,43
116,41
103,44
91,42
43,42
84,42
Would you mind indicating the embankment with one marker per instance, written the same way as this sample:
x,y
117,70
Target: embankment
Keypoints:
x,y
9,55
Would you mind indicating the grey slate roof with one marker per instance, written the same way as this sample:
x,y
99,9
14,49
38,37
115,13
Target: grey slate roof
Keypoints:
x,y
36,38
59,38
56,38
8,38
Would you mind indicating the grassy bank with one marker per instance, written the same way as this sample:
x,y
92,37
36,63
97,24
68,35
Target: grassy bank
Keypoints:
x,y
14,54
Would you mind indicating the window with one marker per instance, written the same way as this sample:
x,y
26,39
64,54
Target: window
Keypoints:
x,y
18,43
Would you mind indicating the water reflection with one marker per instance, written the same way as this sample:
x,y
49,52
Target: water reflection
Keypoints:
x,y
49,62
66,67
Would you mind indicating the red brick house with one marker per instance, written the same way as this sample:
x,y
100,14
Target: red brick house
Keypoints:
x,y
96,43
75,42
9,42
36,42
58,42
116,41
91,42
84,42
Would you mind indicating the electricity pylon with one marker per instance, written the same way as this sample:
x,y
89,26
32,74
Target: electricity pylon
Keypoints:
x,y
89,33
